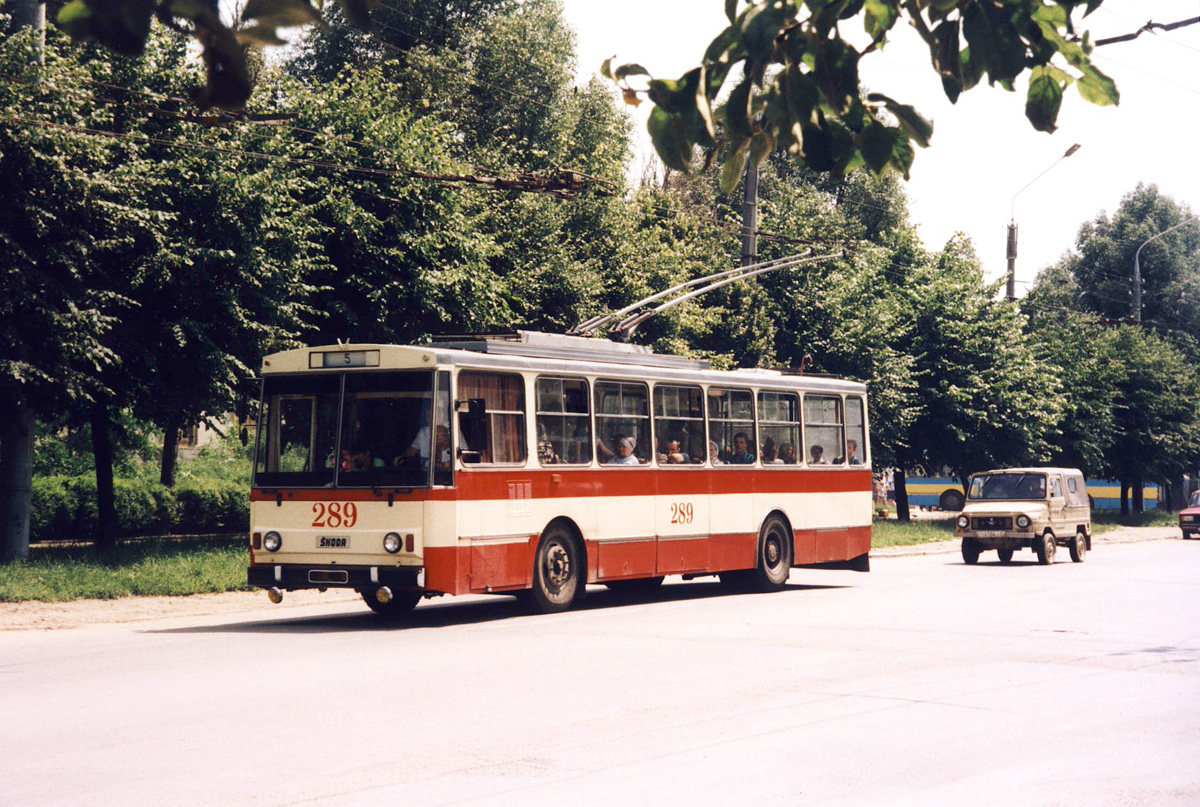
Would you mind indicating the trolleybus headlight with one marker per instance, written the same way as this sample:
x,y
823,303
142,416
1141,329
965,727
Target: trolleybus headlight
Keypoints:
x,y
272,541
963,522
1023,522
392,542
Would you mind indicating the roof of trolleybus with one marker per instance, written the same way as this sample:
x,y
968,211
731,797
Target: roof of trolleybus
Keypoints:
x,y
603,362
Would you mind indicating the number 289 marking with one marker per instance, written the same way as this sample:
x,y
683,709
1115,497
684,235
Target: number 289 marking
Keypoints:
x,y
681,512
334,514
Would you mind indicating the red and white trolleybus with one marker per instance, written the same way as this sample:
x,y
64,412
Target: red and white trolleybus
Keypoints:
x,y
536,464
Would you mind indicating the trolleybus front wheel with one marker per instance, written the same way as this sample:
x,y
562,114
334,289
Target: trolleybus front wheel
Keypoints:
x,y
774,560
395,608
557,572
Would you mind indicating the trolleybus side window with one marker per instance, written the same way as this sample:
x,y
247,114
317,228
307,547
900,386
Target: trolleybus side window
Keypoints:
x,y
564,425
779,421
731,425
622,423
823,429
297,442
679,425
503,397
856,432
387,430
443,457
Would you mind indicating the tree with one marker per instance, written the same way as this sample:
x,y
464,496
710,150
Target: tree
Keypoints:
x,y
798,83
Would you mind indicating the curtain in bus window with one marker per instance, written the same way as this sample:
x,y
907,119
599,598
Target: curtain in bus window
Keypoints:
x,y
856,432
563,424
387,430
823,429
731,425
503,398
679,425
779,427
297,441
622,417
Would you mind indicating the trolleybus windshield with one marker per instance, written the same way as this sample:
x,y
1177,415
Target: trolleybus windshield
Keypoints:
x,y
357,430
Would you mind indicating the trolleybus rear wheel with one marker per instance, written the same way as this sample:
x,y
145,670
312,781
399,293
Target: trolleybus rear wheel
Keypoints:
x,y
557,569
774,560
395,608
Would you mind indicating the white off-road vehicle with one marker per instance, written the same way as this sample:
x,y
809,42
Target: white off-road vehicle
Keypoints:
x,y
1038,508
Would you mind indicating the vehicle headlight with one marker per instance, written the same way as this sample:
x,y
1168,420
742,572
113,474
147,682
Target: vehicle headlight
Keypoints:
x,y
392,543
272,541
963,522
1023,522
1187,518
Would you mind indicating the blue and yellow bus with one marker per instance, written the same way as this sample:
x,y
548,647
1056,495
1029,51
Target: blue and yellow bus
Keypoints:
x,y
945,493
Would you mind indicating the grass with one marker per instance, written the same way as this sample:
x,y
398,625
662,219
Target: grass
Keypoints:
x,y
1105,520
153,566
899,533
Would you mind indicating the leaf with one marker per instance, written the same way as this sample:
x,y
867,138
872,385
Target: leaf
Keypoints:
x,y
666,133
122,25
358,13
1098,88
626,70
911,121
878,144
994,42
731,171
606,68
630,97
1043,100
837,72
280,13
801,94
260,35
761,145
760,27
731,9
737,109
880,17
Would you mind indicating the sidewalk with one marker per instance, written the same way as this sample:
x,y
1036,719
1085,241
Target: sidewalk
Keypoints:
x,y
1121,535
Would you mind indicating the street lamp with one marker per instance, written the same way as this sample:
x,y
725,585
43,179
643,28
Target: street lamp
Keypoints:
x,y
1137,268
1012,224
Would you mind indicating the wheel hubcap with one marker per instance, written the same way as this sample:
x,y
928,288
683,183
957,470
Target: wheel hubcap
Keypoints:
x,y
558,566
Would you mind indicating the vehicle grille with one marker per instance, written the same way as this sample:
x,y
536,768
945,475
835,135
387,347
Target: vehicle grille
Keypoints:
x,y
992,523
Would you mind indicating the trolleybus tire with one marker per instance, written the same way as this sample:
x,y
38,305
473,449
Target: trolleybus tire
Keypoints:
x,y
970,551
1078,547
773,561
557,572
1045,548
634,589
1006,555
951,500
399,606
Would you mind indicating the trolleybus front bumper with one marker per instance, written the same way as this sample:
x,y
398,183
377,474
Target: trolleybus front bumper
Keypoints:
x,y
293,577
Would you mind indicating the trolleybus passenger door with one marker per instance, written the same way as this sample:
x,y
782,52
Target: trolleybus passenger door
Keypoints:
x,y
681,509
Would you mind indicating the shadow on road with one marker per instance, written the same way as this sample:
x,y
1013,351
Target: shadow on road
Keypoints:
x,y
451,612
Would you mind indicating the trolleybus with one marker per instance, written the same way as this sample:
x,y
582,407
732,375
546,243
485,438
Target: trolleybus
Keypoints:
x,y
537,464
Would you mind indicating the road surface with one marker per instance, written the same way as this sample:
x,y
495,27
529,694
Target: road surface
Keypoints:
x,y
925,682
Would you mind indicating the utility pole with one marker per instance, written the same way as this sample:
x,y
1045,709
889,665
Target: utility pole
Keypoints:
x,y
32,14
750,215
1136,304
1012,225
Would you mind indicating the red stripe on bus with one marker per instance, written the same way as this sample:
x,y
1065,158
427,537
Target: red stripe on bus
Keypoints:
x,y
482,485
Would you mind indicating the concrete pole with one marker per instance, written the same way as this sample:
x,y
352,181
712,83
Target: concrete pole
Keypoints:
x,y
750,215
1012,260
32,14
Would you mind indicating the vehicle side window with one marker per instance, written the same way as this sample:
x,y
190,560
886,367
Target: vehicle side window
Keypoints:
x,y
824,430
1071,485
679,426
503,397
564,427
856,431
1055,487
731,426
443,464
622,423
779,426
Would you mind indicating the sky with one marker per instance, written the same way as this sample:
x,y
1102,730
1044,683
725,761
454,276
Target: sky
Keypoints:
x,y
983,150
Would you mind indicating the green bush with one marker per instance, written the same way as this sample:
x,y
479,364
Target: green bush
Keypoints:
x,y
64,507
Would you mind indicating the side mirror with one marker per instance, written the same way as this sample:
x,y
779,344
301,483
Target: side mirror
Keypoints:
x,y
472,426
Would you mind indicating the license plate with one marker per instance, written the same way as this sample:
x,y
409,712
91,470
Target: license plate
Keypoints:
x,y
333,542
989,534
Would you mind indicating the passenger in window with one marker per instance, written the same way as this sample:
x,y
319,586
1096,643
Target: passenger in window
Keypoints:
x,y
770,453
625,455
787,454
361,460
818,456
545,449
673,454
852,457
441,447
741,450
714,453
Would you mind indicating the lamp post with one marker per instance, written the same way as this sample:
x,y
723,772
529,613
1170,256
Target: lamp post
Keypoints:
x,y
1012,224
1136,305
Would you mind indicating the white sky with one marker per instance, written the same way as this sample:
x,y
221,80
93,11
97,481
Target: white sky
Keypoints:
x,y
983,150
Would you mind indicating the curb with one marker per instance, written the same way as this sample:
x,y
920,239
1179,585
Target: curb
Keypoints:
x,y
1122,535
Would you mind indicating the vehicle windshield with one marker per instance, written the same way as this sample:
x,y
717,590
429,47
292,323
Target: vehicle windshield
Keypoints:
x,y
383,438
1019,486
1195,502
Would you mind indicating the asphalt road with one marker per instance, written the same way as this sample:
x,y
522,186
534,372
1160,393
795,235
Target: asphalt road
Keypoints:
x,y
924,682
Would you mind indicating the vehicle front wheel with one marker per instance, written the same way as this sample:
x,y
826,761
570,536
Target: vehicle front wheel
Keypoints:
x,y
1078,547
774,562
1006,555
1046,548
557,572
970,551
399,606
